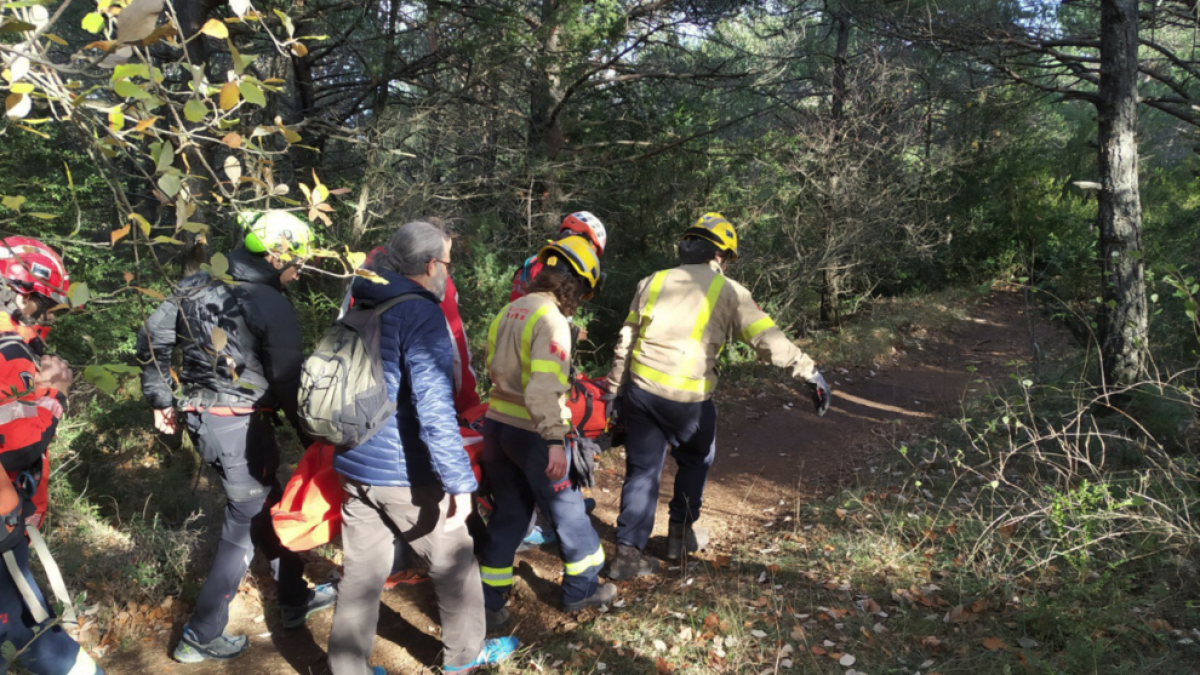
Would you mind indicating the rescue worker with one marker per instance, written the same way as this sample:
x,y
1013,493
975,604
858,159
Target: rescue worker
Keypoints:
x,y
242,355
578,224
526,432
663,375
35,386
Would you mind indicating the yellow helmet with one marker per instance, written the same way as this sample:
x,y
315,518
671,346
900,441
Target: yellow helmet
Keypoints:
x,y
577,252
713,227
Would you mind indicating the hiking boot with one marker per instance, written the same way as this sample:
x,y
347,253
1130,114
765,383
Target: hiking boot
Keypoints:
x,y
222,648
409,577
495,650
604,595
498,619
630,563
680,536
319,598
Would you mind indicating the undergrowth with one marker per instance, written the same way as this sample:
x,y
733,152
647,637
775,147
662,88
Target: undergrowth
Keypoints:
x,y
1046,530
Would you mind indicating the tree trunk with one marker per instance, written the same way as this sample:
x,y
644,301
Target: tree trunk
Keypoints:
x,y
830,276
546,137
1122,319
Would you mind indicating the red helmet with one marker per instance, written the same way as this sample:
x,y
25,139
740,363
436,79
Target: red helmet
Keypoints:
x,y
588,226
29,266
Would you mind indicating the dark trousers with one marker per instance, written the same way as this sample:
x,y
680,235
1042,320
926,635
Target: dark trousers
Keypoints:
x,y
53,652
654,424
514,461
243,451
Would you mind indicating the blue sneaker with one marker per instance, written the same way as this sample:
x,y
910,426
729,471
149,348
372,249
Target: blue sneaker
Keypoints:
x,y
319,598
538,537
495,650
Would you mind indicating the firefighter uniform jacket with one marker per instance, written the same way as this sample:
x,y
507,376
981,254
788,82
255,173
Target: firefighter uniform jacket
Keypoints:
x,y
28,417
529,359
678,323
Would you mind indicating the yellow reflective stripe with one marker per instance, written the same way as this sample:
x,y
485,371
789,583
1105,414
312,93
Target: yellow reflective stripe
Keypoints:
x,y
527,340
496,577
492,331
594,560
656,284
632,318
702,319
755,329
505,408
552,367
706,310
703,386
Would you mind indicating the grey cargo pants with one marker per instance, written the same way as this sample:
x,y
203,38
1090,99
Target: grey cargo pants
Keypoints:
x,y
371,518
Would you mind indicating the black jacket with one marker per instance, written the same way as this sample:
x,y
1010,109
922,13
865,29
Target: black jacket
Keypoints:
x,y
258,366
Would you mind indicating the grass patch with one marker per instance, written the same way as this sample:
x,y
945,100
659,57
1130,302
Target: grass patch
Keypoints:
x,y
1038,533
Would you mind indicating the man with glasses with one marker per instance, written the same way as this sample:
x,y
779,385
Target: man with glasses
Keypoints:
x,y
412,478
242,355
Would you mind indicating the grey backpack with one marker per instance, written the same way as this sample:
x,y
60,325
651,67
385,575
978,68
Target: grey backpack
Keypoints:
x,y
343,395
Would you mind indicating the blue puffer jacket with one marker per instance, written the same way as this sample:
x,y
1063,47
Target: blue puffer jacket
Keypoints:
x,y
421,444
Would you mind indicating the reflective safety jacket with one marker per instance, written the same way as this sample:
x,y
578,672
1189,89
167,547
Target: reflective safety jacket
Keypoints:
x,y
529,359
678,323
28,417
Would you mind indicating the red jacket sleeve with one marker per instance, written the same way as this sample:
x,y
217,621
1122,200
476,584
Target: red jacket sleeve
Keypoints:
x,y
28,417
465,396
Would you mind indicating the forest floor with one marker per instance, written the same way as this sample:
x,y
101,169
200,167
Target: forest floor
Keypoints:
x,y
774,456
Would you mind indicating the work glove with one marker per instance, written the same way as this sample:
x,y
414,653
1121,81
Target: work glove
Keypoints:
x,y
616,417
820,394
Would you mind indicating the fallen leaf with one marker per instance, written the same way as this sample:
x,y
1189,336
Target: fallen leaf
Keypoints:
x,y
847,660
993,643
662,666
819,651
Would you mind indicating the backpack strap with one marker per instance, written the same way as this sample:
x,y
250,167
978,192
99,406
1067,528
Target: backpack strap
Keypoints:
x,y
389,303
36,609
359,316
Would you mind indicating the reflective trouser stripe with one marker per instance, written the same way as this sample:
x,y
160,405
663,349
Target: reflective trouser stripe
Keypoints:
x,y
496,577
506,408
702,386
84,665
581,567
755,329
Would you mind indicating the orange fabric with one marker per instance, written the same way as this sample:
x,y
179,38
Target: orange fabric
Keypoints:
x,y
473,444
597,422
310,512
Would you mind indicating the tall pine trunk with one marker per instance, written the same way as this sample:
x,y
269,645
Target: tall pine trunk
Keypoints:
x,y
831,275
1122,318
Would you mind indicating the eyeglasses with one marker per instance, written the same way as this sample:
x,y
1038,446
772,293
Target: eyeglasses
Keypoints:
x,y
449,265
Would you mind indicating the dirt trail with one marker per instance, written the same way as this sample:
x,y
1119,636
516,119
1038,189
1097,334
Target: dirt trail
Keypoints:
x,y
769,455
